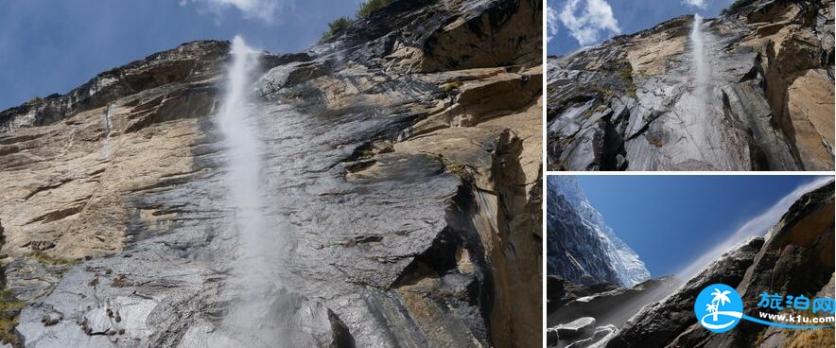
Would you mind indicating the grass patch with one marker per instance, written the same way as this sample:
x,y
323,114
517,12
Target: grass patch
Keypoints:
x,y
335,27
365,153
456,168
47,259
369,6
10,307
451,86
340,24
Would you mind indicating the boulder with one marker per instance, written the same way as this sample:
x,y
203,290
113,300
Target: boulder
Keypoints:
x,y
578,328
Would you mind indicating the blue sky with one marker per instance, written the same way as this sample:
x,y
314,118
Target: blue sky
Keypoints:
x,y
670,221
49,46
577,23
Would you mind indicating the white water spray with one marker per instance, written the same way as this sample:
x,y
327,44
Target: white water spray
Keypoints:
x,y
757,226
243,161
251,280
701,70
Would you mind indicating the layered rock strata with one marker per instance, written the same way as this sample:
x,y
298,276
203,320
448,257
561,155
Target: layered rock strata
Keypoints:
x,y
633,103
402,169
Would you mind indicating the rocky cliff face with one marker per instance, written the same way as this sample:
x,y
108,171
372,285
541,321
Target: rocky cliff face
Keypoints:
x,y
581,248
636,102
402,160
795,258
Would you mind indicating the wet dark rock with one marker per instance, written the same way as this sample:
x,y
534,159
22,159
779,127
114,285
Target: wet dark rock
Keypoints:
x,y
602,333
660,323
579,333
629,104
194,101
616,306
551,336
800,242
580,327
797,259
560,291
190,61
388,233
432,36
609,305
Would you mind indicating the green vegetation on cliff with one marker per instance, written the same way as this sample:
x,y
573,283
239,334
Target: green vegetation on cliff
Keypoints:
x,y
10,307
335,27
369,6
342,23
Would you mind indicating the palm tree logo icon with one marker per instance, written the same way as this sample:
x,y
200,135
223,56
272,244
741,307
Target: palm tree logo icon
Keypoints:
x,y
718,298
718,308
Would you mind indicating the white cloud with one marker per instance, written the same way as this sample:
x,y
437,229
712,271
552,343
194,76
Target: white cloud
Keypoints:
x,y
551,23
595,18
265,10
695,3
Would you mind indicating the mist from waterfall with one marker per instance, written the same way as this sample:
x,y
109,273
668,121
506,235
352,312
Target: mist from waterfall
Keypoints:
x,y
250,281
757,226
701,70
243,152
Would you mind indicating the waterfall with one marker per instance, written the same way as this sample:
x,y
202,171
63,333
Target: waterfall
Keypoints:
x,y
251,283
701,70
241,142
107,126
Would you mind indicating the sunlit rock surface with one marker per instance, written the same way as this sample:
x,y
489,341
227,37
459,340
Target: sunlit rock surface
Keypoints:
x,y
631,104
402,166
795,257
